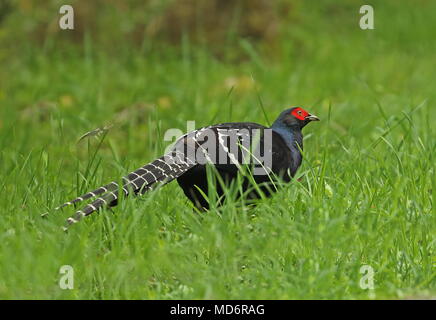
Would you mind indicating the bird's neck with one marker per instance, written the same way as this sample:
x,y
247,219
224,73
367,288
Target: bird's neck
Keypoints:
x,y
293,138
291,135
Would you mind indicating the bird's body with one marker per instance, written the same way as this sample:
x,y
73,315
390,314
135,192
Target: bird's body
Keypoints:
x,y
261,155
195,181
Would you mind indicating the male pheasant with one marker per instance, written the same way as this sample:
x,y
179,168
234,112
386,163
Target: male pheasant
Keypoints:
x,y
231,149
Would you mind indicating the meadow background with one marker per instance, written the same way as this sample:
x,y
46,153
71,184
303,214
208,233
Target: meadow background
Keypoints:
x,y
366,191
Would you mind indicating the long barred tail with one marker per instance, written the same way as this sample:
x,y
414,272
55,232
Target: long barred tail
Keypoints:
x,y
160,171
113,186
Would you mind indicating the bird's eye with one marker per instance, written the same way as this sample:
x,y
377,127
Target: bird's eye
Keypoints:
x,y
299,112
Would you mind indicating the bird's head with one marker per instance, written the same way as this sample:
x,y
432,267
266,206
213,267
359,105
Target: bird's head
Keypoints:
x,y
295,117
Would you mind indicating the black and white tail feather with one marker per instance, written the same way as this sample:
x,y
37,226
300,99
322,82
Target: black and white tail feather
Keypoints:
x,y
158,172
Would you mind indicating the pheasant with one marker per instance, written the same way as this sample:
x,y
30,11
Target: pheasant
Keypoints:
x,y
261,155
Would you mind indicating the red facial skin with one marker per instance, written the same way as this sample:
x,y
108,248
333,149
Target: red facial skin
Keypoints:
x,y
300,113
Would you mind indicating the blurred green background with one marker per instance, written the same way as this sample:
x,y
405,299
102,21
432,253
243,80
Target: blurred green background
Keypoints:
x,y
163,53
147,66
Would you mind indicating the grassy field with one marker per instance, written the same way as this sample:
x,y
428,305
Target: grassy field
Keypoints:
x,y
365,198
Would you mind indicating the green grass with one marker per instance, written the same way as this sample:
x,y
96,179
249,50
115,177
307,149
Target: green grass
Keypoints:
x,y
365,198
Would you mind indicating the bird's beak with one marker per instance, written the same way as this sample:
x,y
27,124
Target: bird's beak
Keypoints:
x,y
312,117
